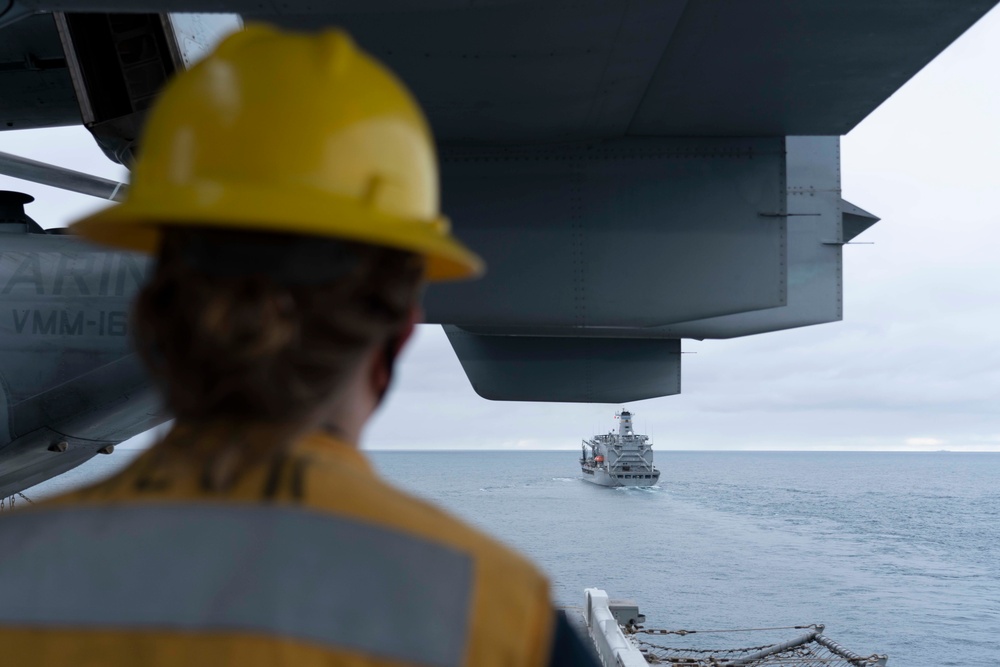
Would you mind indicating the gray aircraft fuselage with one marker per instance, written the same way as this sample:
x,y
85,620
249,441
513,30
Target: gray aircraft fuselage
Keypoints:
x,y
70,384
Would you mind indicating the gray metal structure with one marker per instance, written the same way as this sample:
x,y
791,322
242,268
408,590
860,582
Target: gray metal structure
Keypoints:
x,y
16,166
620,639
71,386
634,172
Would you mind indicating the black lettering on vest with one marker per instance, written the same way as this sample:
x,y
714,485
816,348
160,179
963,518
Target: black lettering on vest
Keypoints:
x,y
28,271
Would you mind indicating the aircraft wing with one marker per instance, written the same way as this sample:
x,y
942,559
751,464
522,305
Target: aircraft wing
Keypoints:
x,y
634,173
552,70
35,86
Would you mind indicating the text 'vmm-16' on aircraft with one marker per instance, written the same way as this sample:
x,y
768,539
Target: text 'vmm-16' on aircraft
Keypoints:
x,y
634,173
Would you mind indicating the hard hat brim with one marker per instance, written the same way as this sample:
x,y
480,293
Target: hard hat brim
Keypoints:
x,y
137,223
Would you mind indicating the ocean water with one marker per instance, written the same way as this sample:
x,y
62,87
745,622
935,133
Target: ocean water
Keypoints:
x,y
895,553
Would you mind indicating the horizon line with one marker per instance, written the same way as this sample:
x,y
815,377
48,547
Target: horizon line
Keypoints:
x,y
508,450
660,451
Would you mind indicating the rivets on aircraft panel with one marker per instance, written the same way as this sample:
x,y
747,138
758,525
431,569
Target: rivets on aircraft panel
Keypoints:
x,y
60,446
106,449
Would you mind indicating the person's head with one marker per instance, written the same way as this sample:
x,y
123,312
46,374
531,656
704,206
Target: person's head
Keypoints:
x,y
307,337
288,185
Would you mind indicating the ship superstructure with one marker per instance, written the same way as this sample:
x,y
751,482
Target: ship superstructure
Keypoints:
x,y
619,459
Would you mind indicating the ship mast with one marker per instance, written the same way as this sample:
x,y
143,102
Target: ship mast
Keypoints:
x,y
624,423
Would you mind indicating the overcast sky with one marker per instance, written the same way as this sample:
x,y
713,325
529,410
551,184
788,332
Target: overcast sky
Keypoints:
x,y
915,365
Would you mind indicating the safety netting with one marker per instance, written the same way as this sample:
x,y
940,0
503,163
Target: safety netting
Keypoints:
x,y
812,649
8,502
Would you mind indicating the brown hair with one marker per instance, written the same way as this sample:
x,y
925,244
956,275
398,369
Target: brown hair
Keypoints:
x,y
263,328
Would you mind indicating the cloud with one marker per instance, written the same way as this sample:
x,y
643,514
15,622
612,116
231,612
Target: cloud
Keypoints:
x,y
924,442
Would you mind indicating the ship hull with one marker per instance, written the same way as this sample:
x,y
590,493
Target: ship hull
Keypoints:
x,y
602,477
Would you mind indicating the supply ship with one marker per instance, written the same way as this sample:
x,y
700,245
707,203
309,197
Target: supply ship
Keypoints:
x,y
619,459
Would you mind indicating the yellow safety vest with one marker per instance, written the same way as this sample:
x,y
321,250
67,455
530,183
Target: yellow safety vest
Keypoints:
x,y
315,561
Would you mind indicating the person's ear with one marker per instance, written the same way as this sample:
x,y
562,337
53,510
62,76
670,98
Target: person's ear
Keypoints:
x,y
416,315
385,359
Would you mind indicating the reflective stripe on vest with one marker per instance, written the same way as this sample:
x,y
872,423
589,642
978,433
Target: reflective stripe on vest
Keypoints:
x,y
273,570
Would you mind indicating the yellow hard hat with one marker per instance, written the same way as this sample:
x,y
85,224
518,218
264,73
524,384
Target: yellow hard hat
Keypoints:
x,y
294,133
